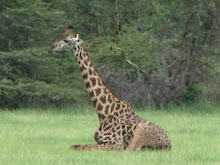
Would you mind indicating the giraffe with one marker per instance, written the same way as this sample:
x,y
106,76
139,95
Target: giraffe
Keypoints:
x,y
120,128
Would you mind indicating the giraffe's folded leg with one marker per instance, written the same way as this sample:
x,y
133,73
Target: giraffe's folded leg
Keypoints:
x,y
149,136
101,147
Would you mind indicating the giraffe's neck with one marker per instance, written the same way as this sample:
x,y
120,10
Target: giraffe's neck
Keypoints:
x,y
102,97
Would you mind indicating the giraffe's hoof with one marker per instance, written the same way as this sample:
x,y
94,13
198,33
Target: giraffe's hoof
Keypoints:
x,y
74,147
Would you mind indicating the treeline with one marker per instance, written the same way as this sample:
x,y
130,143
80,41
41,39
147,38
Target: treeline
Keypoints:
x,y
149,52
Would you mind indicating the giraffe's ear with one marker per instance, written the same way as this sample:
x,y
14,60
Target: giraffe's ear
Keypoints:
x,y
78,40
76,35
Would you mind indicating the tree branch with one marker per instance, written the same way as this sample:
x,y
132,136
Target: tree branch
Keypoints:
x,y
130,62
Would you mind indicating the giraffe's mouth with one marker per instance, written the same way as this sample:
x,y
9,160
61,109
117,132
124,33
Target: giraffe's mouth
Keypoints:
x,y
51,50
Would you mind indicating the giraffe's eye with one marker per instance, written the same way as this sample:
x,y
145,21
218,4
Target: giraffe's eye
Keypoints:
x,y
66,40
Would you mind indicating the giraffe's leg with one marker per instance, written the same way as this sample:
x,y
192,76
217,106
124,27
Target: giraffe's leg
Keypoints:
x,y
102,147
148,135
88,147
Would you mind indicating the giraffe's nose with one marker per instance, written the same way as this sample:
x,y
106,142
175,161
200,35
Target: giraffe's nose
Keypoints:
x,y
50,50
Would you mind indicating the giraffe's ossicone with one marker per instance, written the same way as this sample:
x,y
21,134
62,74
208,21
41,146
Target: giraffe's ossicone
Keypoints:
x,y
120,128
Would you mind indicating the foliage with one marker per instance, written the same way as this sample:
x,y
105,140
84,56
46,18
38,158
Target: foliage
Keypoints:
x,y
32,77
151,52
23,25
191,93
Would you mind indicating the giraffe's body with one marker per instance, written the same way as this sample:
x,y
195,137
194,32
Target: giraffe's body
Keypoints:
x,y
120,128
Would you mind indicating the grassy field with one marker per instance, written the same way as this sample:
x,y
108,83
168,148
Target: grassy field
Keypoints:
x,y
34,136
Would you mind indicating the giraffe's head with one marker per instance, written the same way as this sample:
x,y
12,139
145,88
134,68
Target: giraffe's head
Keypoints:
x,y
68,40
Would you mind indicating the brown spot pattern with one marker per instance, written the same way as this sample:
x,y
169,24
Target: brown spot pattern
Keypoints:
x,y
101,116
103,99
85,76
82,68
112,107
100,107
94,102
93,80
98,91
85,63
106,109
117,107
99,82
88,85
91,94
90,72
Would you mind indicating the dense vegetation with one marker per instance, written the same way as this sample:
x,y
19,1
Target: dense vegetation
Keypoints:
x,y
149,52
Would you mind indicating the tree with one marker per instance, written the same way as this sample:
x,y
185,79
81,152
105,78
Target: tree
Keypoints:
x,y
23,24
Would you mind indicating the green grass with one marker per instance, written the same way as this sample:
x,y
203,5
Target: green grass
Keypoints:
x,y
34,136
